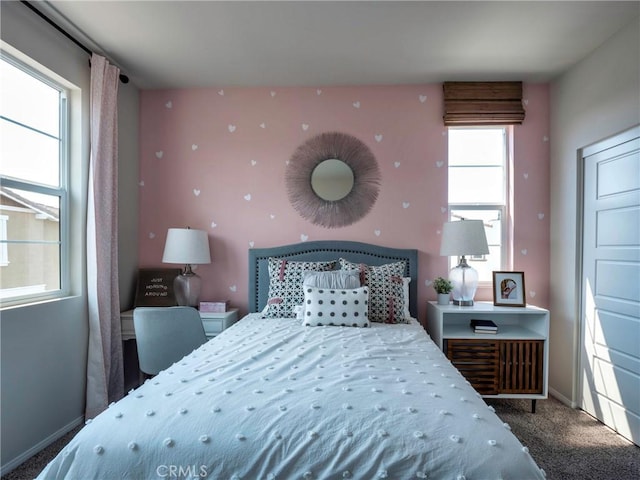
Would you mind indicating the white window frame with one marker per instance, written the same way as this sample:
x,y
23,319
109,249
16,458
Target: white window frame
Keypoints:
x,y
504,210
4,252
26,295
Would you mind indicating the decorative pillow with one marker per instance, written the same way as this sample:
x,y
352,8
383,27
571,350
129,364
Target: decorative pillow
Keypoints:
x,y
405,293
329,306
386,289
285,285
333,279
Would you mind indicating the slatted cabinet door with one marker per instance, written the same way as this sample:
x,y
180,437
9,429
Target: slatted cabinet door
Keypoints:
x,y
521,366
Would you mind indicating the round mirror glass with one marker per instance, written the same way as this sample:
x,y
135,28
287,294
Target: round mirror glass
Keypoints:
x,y
332,180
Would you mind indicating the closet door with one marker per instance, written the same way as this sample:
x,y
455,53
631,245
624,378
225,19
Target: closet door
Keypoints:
x,y
610,309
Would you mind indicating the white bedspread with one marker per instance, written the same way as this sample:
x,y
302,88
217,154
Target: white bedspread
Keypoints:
x,y
270,399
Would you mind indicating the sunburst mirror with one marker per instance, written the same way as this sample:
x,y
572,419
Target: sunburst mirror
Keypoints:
x,y
333,180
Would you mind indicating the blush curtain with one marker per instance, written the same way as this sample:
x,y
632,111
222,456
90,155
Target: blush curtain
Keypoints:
x,y
105,379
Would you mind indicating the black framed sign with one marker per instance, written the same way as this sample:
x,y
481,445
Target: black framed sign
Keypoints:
x,y
155,287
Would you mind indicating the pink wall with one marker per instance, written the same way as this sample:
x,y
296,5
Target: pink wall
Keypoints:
x,y
215,159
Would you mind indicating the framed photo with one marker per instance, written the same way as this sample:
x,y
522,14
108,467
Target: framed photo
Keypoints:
x,y
155,287
508,289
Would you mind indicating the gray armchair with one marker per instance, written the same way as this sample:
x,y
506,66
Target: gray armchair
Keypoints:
x,y
165,335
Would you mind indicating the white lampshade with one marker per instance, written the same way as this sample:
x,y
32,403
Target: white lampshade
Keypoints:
x,y
466,237
186,246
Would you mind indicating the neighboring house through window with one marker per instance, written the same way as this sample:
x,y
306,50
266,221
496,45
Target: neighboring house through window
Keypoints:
x,y
33,190
478,189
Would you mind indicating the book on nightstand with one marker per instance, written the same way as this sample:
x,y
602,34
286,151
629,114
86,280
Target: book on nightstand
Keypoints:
x,y
483,326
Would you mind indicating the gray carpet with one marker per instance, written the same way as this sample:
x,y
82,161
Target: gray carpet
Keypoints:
x,y
568,444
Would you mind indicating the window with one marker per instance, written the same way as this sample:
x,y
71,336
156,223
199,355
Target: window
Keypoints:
x,y
33,186
478,162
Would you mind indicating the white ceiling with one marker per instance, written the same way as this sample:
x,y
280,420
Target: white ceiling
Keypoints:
x,y
183,44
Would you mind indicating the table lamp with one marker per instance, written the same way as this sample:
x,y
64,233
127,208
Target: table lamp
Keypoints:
x,y
465,237
189,247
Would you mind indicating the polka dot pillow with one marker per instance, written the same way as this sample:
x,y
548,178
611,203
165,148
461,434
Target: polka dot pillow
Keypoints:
x,y
386,290
285,285
342,307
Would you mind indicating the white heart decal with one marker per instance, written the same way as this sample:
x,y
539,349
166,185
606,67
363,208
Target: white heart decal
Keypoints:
x,y
221,93
304,237
253,163
159,154
439,163
232,128
540,216
318,92
545,139
378,137
196,192
263,125
194,147
272,93
532,293
214,224
305,126
524,251
443,209
356,104
152,235
396,164
525,101
251,244
377,232
233,288
272,216
286,162
169,104
141,183
247,197
525,175
428,283
405,204
422,98
438,232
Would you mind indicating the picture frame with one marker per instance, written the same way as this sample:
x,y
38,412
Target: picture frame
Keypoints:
x,y
155,287
508,289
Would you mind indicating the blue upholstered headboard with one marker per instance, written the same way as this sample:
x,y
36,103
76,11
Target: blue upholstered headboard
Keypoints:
x,y
324,250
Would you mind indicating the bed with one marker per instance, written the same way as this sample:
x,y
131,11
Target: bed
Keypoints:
x,y
275,398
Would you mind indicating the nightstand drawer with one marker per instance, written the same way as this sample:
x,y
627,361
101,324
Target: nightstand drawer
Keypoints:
x,y
478,361
215,323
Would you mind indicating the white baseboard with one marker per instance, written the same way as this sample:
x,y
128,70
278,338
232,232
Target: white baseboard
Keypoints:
x,y
23,457
561,398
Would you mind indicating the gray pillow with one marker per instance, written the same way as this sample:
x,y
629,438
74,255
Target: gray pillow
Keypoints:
x,y
332,279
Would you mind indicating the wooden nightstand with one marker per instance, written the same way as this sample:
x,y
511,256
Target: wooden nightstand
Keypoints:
x,y
214,323
512,363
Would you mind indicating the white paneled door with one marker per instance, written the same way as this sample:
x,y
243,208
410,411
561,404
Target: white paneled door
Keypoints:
x,y
610,363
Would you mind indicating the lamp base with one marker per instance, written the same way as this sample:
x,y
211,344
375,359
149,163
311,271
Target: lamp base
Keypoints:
x,y
465,282
187,288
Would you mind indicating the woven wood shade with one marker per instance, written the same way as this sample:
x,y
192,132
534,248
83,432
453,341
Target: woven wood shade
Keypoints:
x,y
483,103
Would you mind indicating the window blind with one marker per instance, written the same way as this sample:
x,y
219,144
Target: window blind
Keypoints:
x,y
483,103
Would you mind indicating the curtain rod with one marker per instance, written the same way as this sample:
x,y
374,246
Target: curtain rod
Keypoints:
x,y
123,78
